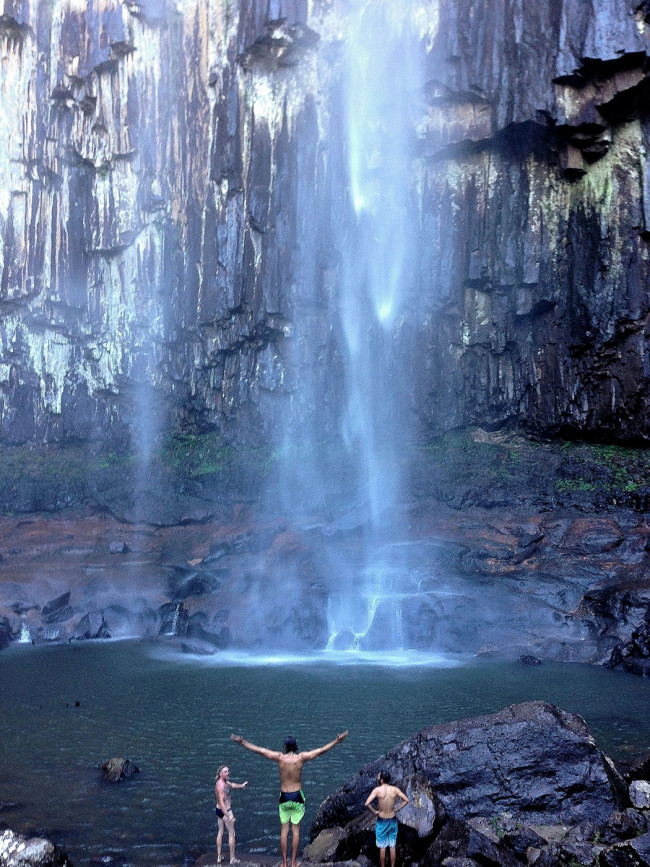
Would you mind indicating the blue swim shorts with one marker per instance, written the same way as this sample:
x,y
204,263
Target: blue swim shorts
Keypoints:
x,y
386,832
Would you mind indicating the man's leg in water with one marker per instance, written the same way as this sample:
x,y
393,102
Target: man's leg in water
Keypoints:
x,y
382,857
392,856
295,833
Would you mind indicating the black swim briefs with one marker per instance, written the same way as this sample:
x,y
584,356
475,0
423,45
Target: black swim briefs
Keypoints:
x,y
298,797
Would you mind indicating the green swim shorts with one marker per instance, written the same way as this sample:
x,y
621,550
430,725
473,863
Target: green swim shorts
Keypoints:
x,y
291,807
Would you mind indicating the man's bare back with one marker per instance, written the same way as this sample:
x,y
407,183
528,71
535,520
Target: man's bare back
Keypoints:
x,y
387,796
290,766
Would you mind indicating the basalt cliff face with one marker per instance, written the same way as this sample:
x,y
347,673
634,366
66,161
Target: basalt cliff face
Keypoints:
x,y
173,217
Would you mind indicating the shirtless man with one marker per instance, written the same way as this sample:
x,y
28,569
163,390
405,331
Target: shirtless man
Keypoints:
x,y
386,827
225,817
292,799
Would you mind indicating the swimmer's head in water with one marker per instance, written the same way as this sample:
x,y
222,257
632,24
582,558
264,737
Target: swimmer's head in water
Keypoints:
x,y
290,745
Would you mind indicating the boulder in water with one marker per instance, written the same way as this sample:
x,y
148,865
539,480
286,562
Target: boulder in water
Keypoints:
x,y
116,770
529,659
19,851
425,811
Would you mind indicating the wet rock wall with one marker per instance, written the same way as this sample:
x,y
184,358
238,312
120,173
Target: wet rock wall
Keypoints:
x,y
173,215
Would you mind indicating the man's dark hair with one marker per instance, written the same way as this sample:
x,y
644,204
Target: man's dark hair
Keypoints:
x,y
384,776
290,745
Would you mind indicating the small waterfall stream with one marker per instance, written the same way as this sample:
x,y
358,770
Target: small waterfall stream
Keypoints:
x,y
173,630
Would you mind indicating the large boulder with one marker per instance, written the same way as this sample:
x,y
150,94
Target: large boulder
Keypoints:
x,y
57,610
531,760
91,625
19,851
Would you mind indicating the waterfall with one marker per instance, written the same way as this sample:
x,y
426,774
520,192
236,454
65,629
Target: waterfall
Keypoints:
x,y
25,634
174,627
146,421
349,415
382,80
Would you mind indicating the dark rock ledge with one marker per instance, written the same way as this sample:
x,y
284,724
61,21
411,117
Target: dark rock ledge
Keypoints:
x,y
526,785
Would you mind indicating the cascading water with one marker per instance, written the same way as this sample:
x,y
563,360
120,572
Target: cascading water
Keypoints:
x,y
382,80
173,629
146,424
348,423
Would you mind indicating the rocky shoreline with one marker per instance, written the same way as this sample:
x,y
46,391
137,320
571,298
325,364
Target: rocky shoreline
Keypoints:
x,y
527,785
575,579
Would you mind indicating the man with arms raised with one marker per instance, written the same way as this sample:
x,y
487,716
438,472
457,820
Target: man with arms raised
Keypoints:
x,y
386,827
292,799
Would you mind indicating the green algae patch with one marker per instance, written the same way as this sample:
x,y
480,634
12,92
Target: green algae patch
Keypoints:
x,y
197,455
474,466
619,472
478,467
462,468
34,462
52,477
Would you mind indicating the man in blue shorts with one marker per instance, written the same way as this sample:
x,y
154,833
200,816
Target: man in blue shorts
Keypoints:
x,y
386,828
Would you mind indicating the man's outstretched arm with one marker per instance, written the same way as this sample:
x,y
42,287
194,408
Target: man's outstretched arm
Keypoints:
x,y
274,755
312,754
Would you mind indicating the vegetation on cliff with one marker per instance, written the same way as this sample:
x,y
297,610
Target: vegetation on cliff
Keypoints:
x,y
464,467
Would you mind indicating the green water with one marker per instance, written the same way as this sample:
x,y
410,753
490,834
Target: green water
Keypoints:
x,y
173,717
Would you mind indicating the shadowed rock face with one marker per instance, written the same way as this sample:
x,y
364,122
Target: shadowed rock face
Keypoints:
x,y
532,760
172,218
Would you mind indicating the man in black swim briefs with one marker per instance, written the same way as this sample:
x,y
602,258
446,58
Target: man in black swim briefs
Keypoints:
x,y
292,799
225,817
